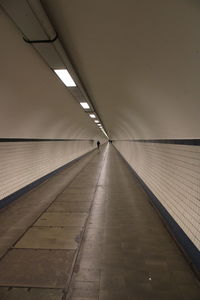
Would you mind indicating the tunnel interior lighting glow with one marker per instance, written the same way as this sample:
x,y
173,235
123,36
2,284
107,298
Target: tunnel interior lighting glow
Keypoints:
x,y
92,116
96,121
84,105
106,134
99,124
65,77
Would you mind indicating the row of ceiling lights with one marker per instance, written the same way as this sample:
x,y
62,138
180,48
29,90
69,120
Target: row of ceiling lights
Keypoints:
x,y
28,16
66,78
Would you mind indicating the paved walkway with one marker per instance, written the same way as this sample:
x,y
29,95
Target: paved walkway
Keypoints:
x,y
98,239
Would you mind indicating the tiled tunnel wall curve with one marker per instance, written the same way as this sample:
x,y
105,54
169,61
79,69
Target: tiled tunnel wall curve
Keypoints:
x,y
24,162
172,173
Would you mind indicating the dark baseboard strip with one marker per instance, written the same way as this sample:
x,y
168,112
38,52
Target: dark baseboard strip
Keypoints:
x,y
5,201
188,248
189,142
15,140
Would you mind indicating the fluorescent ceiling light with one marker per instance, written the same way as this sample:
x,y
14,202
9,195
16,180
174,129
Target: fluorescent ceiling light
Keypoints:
x,y
99,124
96,121
84,105
105,134
66,78
92,116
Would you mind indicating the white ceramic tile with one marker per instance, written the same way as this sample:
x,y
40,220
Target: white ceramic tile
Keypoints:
x,y
172,172
24,162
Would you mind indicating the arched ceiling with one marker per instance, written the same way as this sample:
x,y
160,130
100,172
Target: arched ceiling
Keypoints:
x,y
139,61
34,103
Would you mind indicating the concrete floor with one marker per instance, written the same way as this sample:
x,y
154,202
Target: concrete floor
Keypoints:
x,y
93,235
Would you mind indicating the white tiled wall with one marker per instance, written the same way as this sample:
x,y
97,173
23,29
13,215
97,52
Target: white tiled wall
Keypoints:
x,y
24,162
172,172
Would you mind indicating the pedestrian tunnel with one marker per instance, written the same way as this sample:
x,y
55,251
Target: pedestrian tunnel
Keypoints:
x,y
75,73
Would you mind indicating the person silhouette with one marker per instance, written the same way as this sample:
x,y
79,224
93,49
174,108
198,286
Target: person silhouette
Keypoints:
x,y
98,144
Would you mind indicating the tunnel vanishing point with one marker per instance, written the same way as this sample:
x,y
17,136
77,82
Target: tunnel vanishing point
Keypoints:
x,y
99,150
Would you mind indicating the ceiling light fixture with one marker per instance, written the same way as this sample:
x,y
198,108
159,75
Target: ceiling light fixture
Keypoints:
x,y
96,121
92,116
65,77
84,105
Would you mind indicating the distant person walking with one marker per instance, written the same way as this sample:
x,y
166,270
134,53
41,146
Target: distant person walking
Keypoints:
x,y
98,144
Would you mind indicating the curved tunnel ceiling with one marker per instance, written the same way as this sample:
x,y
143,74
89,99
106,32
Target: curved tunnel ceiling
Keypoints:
x,y
34,103
139,62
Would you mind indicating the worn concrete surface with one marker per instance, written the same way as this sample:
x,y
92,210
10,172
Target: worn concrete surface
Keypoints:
x,y
50,238
30,294
39,248
61,219
70,206
36,268
19,215
127,253
99,239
